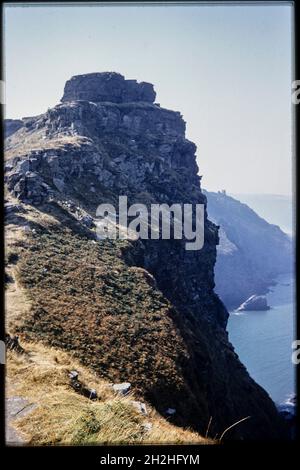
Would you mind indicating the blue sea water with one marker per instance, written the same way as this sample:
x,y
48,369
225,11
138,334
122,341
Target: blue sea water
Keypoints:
x,y
263,341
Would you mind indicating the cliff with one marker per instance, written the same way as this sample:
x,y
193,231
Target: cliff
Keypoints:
x,y
251,252
140,311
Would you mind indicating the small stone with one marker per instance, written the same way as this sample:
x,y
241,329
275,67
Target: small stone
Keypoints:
x,y
122,388
147,426
73,375
93,394
141,407
170,411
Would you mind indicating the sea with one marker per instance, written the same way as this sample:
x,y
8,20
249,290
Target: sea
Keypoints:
x,y
263,341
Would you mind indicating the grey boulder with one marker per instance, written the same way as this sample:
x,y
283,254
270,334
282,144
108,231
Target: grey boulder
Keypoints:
x,y
122,388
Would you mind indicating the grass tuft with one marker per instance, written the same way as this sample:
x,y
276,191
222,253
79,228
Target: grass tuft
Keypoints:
x,y
61,416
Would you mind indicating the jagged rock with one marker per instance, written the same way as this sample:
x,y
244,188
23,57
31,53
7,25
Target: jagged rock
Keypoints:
x,y
122,388
255,302
28,186
107,86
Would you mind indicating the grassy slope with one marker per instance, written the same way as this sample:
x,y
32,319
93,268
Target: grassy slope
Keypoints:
x,y
69,292
62,416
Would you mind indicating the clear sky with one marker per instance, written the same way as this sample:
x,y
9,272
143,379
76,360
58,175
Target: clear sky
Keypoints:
x,y
228,69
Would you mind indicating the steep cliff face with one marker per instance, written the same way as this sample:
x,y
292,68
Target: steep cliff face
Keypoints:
x,y
142,311
251,252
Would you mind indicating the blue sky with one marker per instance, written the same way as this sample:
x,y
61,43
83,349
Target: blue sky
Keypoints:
x,y
228,69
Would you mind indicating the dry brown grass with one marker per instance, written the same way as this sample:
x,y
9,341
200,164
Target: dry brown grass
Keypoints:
x,y
23,142
62,416
17,304
16,301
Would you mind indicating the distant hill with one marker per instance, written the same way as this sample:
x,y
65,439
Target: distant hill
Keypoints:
x,y
251,252
275,209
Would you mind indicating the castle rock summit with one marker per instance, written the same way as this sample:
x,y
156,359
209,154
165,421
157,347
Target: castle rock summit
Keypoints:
x,y
107,86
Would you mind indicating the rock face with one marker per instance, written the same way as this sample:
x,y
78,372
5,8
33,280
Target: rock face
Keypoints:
x,y
255,302
251,252
107,86
143,311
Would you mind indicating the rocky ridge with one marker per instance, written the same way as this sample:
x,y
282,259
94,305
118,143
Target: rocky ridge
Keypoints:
x,y
150,316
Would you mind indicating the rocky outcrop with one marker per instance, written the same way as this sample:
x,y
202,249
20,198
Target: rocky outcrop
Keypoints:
x,y
144,311
107,86
251,252
254,303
